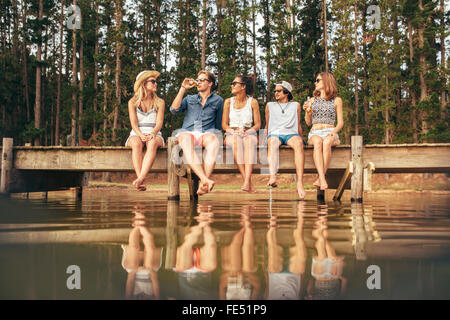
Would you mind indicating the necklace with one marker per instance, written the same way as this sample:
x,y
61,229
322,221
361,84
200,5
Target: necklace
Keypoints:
x,y
282,110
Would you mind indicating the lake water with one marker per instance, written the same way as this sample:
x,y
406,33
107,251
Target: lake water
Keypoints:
x,y
129,245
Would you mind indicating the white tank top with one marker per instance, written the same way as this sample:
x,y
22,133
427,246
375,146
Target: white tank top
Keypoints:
x,y
241,118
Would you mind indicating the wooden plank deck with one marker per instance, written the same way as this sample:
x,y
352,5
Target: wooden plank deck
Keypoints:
x,y
403,158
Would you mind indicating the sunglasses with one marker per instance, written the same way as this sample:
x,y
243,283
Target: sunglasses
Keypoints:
x,y
152,81
235,83
202,80
279,90
318,80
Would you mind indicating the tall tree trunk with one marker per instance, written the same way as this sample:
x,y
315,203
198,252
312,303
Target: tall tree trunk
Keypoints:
x,y
356,67
37,105
58,94
325,34
412,93
219,41
244,24
25,67
266,11
118,14
422,72
254,42
105,102
205,2
386,114
443,64
289,23
96,52
73,131
397,90
81,83
157,4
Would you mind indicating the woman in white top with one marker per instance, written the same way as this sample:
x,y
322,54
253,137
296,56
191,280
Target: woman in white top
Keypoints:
x,y
146,111
241,120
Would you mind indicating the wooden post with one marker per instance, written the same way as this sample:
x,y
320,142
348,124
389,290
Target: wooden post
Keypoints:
x,y
347,174
359,232
173,180
7,164
368,171
357,176
171,234
84,183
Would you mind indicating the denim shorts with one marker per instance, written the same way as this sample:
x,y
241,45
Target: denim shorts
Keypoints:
x,y
321,133
284,138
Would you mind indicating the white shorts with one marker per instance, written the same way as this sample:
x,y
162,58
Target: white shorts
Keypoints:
x,y
321,133
145,130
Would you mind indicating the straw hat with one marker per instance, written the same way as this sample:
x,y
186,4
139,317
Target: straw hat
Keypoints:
x,y
144,75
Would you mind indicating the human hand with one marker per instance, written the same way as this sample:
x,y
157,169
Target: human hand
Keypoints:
x,y
188,83
331,135
230,131
143,137
241,132
250,131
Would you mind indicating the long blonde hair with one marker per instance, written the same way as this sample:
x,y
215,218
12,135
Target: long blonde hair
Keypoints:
x,y
140,93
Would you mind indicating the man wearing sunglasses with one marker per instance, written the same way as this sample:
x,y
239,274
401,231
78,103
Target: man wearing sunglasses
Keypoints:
x,y
202,123
283,128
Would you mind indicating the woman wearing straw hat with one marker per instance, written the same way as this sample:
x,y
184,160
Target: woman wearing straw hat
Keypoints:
x,y
146,111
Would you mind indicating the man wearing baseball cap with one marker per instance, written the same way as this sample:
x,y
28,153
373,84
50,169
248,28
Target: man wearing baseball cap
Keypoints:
x,y
283,128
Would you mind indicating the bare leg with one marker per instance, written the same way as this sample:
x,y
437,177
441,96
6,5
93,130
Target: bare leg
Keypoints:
x,y
296,143
185,251
298,252
152,257
208,253
235,142
250,155
132,250
327,144
274,251
211,144
149,158
186,142
231,254
137,146
273,153
318,160
248,247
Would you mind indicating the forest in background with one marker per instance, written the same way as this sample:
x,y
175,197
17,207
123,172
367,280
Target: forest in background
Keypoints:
x,y
64,85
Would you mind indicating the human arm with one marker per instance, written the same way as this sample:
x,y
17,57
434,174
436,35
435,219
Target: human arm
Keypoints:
x,y
177,102
134,120
308,115
299,117
226,117
219,115
340,116
256,118
160,117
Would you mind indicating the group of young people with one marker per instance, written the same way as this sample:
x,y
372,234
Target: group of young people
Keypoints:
x,y
207,114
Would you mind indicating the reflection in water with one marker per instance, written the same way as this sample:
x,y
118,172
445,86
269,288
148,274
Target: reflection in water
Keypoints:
x,y
327,281
224,249
239,280
142,266
194,264
286,274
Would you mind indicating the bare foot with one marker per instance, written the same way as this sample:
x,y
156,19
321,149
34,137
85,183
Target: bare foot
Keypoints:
x,y
317,183
272,182
301,190
323,185
247,187
138,184
205,187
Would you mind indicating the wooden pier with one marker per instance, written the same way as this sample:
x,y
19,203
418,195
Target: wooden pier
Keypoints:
x,y
39,169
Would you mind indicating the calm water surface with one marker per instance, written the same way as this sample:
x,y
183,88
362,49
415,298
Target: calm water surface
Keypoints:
x,y
138,246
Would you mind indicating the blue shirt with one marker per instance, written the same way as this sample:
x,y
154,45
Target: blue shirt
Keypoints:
x,y
200,118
